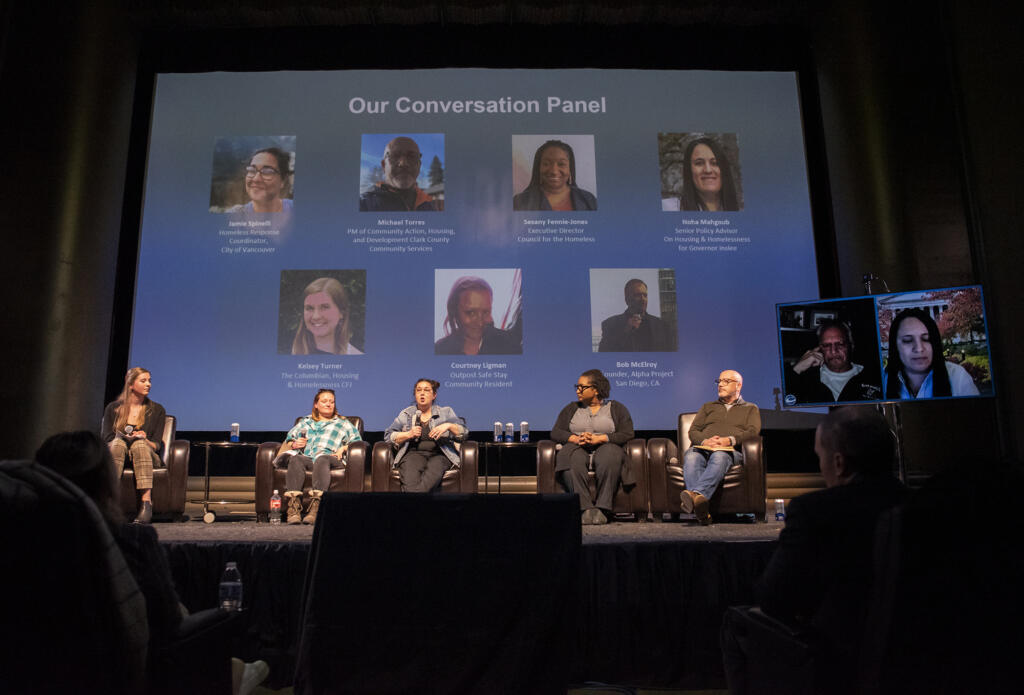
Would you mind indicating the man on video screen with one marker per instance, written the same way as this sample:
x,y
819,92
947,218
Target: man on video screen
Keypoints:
x,y
826,373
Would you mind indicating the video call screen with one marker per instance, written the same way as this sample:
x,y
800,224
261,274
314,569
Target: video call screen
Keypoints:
x,y
906,346
500,231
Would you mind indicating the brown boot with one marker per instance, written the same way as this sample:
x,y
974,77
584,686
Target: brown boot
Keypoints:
x,y
294,498
314,506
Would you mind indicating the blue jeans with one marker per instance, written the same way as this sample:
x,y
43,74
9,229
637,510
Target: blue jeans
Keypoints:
x,y
703,470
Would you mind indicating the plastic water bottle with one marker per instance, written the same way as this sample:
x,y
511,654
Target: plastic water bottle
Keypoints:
x,y
524,431
234,431
509,432
497,430
231,588
275,508
780,509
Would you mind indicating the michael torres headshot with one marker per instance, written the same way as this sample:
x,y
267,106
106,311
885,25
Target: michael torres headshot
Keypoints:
x,y
253,174
830,352
633,310
700,172
478,311
402,173
554,173
322,312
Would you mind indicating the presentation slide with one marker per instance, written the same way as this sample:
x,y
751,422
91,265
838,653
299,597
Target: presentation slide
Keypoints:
x,y
500,231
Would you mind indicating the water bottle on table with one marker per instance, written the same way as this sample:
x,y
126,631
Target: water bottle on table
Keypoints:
x,y
524,431
497,431
234,431
231,588
780,509
509,432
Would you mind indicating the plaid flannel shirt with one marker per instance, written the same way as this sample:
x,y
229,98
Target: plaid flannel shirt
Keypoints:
x,y
324,436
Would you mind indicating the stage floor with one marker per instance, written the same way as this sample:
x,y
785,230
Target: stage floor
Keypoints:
x,y
235,530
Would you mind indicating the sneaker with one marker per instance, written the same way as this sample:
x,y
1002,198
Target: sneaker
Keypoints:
x,y
255,673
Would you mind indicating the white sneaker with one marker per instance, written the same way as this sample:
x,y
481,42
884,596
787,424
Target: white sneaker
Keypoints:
x,y
255,673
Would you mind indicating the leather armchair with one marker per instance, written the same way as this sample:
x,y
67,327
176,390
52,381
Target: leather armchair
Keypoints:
x,y
348,478
633,501
741,492
385,478
169,481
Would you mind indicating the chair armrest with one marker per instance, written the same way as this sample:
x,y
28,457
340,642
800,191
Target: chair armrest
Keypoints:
x,y
661,452
264,483
470,465
380,467
177,473
756,474
636,457
356,466
546,451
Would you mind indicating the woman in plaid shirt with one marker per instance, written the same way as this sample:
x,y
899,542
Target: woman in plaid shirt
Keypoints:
x,y
317,443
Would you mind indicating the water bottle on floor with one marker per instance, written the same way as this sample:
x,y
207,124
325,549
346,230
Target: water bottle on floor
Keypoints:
x,y
231,588
275,508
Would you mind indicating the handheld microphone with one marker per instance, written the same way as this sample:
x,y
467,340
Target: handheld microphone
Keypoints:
x,y
128,429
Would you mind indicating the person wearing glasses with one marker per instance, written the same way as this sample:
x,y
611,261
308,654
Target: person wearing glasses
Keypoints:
x,y
716,434
634,330
826,373
398,191
424,436
592,429
266,182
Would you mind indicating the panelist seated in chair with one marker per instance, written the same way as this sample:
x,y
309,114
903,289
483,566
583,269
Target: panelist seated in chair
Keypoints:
x,y
317,443
424,435
132,427
718,430
592,429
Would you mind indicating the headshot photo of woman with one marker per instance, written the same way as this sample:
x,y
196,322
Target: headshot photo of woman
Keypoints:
x,y
916,367
468,324
553,181
323,319
256,180
702,179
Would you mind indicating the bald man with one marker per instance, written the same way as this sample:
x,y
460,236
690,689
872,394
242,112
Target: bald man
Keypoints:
x,y
398,191
716,435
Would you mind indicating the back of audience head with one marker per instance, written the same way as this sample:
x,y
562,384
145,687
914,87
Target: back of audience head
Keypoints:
x,y
854,441
84,459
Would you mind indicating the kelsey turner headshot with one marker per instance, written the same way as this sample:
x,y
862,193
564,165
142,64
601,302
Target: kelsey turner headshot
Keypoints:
x,y
257,181
699,171
324,320
554,183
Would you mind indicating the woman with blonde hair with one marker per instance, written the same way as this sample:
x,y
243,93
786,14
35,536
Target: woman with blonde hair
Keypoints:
x,y
324,326
133,427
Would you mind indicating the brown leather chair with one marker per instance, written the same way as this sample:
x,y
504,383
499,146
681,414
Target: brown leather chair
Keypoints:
x,y
348,478
463,478
633,501
169,481
741,492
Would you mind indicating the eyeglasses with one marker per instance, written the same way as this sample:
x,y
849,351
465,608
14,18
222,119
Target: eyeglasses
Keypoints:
x,y
265,172
727,381
583,387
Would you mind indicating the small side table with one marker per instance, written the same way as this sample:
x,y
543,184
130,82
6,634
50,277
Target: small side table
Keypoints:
x,y
208,516
500,448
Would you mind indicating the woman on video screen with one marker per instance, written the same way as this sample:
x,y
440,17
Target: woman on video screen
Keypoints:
x,y
266,179
707,179
469,327
916,367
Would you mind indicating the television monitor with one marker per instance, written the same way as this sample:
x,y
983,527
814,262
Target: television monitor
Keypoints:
x,y
905,346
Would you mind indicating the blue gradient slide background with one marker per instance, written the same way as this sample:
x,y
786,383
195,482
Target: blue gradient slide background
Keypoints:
x,y
205,322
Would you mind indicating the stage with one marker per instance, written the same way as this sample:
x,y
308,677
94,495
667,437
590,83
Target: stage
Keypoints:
x,y
651,595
